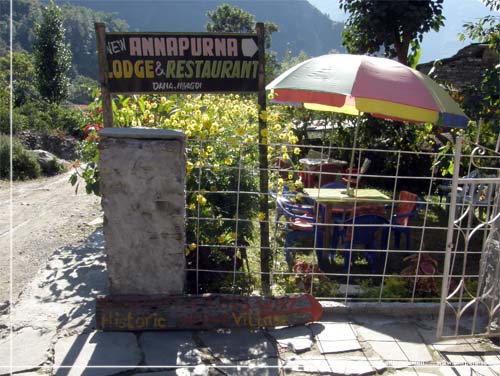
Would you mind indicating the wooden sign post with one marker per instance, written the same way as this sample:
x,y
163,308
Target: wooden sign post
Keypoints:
x,y
193,63
107,111
265,249
211,311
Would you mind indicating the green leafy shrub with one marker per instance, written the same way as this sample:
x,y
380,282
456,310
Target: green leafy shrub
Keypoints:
x,y
209,280
67,119
45,117
37,116
53,167
309,277
19,121
25,165
394,288
23,87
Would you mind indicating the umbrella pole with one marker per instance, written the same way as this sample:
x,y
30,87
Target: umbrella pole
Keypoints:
x,y
354,144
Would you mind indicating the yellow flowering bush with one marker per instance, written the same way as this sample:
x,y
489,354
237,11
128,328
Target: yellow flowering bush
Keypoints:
x,y
222,134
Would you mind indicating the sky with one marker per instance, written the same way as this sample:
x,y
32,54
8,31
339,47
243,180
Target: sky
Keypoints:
x,y
435,45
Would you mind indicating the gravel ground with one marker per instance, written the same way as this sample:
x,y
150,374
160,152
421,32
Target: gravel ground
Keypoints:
x,y
46,214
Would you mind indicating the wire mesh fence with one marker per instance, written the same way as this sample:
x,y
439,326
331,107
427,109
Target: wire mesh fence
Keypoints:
x,y
373,231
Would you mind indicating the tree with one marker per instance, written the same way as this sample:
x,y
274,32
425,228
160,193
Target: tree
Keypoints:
x,y
397,26
484,101
78,22
80,34
24,15
486,29
289,60
231,19
52,55
23,88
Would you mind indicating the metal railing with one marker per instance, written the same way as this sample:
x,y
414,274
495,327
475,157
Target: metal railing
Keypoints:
x,y
223,248
472,309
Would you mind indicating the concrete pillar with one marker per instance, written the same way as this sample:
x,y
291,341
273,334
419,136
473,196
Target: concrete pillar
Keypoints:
x,y
143,198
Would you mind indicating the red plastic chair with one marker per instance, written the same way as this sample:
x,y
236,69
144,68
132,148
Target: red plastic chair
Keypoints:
x,y
407,207
368,209
325,174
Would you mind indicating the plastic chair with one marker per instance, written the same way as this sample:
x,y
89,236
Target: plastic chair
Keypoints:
x,y
409,204
443,190
334,185
299,225
367,230
282,167
479,196
368,209
287,198
306,205
471,194
326,173
335,211
357,181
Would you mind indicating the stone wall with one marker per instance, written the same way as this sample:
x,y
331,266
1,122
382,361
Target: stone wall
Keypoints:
x,y
465,67
143,198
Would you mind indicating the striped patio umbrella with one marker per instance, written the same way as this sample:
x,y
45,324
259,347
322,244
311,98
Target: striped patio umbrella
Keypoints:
x,y
357,84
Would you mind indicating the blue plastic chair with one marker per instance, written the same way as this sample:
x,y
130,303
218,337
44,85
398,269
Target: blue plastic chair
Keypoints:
x,y
289,198
363,231
443,190
334,185
299,225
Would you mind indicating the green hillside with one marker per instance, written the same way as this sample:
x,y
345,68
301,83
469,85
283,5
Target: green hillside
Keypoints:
x,y
78,23
302,26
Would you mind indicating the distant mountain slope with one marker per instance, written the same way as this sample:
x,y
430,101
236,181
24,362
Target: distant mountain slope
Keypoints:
x,y
330,8
302,26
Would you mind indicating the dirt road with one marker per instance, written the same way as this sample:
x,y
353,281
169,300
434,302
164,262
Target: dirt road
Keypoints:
x,y
47,214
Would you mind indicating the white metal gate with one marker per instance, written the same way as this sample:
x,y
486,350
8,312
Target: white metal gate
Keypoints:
x,y
470,304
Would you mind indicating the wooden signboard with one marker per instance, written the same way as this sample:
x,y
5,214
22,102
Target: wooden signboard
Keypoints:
x,y
210,311
180,63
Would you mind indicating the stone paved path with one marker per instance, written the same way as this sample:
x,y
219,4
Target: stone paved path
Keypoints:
x,y
53,334
46,214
